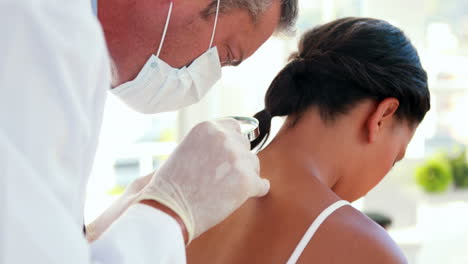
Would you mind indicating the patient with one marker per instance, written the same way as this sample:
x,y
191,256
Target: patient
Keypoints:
x,y
352,96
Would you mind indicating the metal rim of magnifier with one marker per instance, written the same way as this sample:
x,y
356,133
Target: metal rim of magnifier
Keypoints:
x,y
255,132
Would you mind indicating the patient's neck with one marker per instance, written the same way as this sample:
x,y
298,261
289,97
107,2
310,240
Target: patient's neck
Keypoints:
x,y
305,152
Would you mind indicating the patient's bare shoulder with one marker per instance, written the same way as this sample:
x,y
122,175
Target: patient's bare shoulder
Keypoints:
x,y
348,236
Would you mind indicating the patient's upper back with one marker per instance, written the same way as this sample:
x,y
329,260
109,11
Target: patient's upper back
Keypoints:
x,y
348,236
268,230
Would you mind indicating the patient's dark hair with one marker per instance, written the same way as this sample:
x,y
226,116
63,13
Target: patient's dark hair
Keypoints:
x,y
341,63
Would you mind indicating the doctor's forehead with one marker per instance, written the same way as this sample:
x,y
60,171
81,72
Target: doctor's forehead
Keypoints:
x,y
245,34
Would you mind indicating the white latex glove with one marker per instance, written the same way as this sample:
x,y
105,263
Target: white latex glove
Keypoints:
x,y
95,229
209,175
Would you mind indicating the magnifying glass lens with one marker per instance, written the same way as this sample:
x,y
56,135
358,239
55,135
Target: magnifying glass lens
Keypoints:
x,y
249,126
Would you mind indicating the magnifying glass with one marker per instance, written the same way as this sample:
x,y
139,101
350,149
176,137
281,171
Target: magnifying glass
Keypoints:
x,y
249,126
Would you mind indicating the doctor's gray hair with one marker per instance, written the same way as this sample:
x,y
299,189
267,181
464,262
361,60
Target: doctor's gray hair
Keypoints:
x,y
256,8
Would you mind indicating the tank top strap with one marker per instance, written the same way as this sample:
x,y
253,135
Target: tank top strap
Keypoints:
x,y
313,228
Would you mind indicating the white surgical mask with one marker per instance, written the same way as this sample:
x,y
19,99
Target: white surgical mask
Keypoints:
x,y
161,88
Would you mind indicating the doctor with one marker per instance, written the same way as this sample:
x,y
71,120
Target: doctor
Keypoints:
x,y
54,73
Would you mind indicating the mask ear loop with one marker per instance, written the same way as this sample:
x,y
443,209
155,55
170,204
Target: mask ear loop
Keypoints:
x,y
215,24
165,29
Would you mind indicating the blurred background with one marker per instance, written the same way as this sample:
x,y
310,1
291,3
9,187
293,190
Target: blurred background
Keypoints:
x,y
424,199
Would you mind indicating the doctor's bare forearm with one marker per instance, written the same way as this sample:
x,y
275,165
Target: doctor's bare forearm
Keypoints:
x,y
170,212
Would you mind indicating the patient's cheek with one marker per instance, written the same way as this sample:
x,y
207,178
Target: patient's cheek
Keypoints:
x,y
380,174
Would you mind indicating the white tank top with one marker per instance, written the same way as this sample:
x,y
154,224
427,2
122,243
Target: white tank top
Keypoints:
x,y
312,229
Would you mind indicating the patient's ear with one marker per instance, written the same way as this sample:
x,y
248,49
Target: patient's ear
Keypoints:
x,y
381,116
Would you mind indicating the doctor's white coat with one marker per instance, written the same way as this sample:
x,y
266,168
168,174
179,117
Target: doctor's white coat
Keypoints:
x,y
54,76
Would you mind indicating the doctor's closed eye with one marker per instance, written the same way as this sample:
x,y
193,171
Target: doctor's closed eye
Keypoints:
x,y
232,59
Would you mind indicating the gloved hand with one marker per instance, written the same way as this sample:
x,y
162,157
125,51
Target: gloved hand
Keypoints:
x,y
209,175
95,229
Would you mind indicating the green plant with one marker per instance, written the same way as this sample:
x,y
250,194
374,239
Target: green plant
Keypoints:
x,y
459,168
116,190
167,135
435,176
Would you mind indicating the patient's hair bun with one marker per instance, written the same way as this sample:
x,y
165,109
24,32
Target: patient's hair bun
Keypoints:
x,y
343,62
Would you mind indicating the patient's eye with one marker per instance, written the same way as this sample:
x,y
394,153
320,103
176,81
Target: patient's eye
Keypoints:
x,y
399,158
